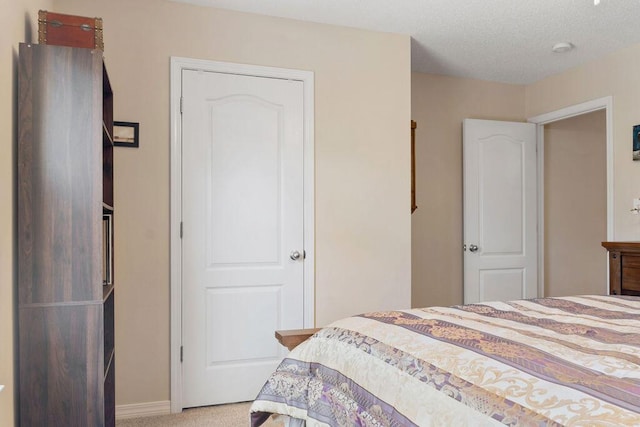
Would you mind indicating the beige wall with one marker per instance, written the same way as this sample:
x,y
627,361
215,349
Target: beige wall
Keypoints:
x,y
575,203
439,104
362,113
613,75
18,23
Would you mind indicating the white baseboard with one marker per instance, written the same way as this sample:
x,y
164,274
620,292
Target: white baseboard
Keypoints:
x,y
149,409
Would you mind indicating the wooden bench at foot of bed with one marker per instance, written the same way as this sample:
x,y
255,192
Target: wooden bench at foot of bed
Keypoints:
x,y
292,337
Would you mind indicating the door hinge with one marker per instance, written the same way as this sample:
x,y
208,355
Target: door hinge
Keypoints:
x,y
181,353
181,101
181,229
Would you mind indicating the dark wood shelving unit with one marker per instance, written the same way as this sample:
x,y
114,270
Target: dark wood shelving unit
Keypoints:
x,y
65,187
109,288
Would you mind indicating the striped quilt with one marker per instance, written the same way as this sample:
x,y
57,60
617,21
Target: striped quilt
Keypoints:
x,y
550,361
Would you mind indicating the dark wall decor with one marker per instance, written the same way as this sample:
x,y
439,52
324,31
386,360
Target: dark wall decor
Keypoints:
x,y
126,134
636,142
414,125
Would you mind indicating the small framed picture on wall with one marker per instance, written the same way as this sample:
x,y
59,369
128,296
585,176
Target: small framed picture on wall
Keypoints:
x,y
636,142
126,134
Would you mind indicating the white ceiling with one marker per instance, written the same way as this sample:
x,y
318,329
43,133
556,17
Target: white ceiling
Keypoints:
x,y
500,40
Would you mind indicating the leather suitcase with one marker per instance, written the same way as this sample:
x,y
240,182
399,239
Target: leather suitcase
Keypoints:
x,y
69,30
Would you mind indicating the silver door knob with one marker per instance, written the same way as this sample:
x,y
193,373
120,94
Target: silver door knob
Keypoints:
x,y
473,248
295,255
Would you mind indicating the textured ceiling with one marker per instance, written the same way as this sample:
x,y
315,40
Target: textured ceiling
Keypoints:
x,y
500,40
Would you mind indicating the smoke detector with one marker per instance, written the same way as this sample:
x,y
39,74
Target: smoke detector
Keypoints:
x,y
562,47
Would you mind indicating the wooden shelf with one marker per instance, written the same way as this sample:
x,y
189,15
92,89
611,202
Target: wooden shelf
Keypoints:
x,y
62,310
108,362
106,291
107,138
61,373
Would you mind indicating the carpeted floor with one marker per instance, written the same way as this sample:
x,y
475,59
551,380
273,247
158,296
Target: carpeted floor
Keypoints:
x,y
235,415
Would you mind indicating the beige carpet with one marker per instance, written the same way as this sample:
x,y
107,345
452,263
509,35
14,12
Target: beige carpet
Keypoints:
x,y
233,415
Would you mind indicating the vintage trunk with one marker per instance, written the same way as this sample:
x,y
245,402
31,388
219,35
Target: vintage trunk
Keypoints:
x,y
69,30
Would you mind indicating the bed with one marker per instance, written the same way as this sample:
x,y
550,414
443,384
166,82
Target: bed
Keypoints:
x,y
549,361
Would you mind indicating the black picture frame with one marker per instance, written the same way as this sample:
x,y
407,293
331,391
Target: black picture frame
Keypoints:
x,y
126,134
636,142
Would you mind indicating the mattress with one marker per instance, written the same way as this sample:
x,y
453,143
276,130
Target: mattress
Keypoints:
x,y
549,361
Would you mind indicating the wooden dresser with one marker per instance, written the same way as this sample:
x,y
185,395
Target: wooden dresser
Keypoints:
x,y
624,267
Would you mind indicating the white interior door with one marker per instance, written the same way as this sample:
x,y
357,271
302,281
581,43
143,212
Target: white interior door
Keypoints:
x,y
500,211
242,210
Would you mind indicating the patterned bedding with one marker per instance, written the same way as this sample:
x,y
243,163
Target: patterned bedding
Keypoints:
x,y
550,361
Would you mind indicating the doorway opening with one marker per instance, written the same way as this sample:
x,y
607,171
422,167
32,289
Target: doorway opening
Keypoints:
x,y
558,184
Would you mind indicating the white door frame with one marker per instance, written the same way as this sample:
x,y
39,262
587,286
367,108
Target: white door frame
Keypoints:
x,y
307,78
606,104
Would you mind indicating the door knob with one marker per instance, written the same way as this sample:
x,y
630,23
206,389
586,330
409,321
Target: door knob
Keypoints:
x,y
295,255
473,248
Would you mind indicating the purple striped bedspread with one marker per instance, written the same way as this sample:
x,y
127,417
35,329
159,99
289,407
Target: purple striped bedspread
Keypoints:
x,y
545,362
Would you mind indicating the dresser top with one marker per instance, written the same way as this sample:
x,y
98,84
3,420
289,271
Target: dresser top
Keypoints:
x,y
622,246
